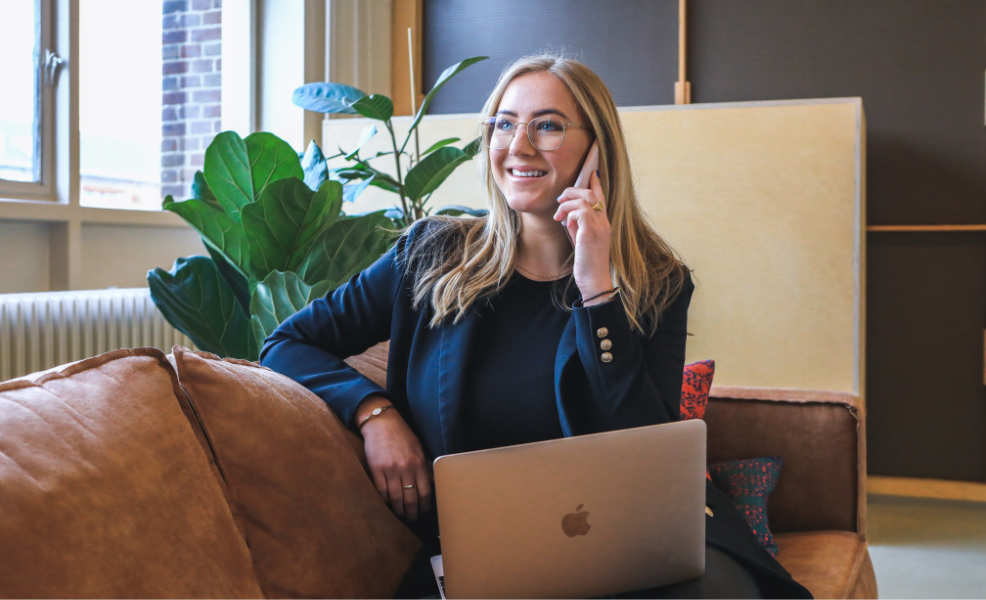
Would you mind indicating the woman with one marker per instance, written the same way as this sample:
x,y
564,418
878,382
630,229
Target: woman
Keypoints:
x,y
560,313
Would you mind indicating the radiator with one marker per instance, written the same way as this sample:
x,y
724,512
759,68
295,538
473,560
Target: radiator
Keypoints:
x,y
44,330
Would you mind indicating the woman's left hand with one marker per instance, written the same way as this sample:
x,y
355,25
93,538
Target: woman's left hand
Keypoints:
x,y
591,231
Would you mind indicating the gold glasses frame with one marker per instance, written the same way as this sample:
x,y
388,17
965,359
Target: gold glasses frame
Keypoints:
x,y
527,126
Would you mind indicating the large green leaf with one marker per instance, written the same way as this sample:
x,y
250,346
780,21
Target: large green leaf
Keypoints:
x,y
347,247
195,299
315,166
276,298
456,210
327,97
227,172
473,147
351,191
216,226
447,74
271,159
284,222
236,281
200,189
380,180
428,174
440,144
375,106
368,132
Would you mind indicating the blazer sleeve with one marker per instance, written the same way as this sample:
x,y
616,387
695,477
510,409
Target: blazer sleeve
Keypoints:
x,y
641,384
310,346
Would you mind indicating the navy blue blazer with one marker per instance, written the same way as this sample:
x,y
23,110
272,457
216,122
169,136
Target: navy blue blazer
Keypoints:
x,y
427,369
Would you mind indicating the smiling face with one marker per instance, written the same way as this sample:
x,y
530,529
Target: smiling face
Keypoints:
x,y
532,180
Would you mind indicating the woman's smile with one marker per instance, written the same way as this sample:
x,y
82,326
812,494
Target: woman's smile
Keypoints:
x,y
525,174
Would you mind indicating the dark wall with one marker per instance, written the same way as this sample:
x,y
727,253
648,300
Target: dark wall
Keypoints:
x,y
919,67
632,44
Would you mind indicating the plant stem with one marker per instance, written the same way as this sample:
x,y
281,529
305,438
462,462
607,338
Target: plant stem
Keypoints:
x,y
425,203
397,161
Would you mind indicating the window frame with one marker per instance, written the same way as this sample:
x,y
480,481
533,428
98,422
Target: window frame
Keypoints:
x,y
43,189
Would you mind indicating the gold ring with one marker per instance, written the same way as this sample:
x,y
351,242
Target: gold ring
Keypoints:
x,y
410,487
598,206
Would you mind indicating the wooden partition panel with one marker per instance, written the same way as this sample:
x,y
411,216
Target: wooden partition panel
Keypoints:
x,y
764,201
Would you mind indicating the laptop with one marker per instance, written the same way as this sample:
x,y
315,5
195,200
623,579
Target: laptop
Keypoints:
x,y
576,517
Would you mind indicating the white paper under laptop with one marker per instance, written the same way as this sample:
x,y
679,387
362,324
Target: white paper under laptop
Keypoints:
x,y
436,567
576,517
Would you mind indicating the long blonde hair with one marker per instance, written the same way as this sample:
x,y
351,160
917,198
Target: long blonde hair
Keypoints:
x,y
462,260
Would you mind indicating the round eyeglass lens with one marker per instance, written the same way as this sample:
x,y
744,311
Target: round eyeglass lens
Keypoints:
x,y
499,132
546,135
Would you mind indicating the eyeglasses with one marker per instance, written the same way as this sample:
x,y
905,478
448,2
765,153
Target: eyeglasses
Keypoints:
x,y
545,133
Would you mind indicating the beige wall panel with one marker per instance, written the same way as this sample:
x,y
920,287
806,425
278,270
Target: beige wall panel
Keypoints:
x,y
763,200
120,255
24,252
761,203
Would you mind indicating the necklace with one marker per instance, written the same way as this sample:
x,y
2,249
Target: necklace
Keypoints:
x,y
538,274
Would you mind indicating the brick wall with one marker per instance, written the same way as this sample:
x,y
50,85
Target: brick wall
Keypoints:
x,y
191,88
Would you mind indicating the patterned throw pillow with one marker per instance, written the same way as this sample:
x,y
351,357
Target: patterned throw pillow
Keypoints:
x,y
695,389
747,484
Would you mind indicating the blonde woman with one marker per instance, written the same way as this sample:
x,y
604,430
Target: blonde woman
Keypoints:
x,y
560,313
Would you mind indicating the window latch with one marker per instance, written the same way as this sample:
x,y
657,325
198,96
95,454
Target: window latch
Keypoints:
x,y
52,64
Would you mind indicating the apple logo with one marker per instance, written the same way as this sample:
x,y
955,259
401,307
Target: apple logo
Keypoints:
x,y
575,523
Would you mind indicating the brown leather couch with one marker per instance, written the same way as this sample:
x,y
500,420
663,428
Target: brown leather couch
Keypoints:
x,y
135,474
818,510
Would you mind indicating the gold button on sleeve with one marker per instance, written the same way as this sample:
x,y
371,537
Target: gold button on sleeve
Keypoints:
x,y
605,344
602,332
606,357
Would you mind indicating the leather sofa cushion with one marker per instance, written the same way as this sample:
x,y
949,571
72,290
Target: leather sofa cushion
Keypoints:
x,y
315,525
820,444
372,364
828,563
105,492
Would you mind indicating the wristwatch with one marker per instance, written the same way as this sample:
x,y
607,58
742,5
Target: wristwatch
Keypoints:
x,y
375,413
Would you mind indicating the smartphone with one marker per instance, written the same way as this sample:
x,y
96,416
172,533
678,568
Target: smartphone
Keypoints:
x,y
590,165
582,181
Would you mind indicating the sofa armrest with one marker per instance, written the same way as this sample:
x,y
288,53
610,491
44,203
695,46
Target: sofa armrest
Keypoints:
x,y
821,436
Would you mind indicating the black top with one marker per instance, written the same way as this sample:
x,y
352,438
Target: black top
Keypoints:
x,y
510,392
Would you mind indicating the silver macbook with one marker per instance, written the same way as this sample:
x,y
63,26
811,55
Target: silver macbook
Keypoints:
x,y
576,517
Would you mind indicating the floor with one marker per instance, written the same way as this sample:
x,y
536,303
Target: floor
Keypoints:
x,y
928,548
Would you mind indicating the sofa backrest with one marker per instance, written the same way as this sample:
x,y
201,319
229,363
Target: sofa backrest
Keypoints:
x,y
821,436
106,493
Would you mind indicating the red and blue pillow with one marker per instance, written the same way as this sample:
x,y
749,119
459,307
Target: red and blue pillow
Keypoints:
x,y
747,483
695,386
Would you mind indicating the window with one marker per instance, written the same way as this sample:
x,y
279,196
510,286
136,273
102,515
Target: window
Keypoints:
x,y
149,98
23,44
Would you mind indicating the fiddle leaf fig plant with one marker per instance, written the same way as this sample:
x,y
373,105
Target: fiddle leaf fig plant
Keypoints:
x,y
276,236
416,175
273,225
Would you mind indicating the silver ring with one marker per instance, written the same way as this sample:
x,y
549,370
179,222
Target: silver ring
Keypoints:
x,y
409,487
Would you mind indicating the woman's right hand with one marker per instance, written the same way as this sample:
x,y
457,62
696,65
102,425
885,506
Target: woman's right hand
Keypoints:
x,y
396,459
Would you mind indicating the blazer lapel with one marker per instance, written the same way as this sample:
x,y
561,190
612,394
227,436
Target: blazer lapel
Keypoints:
x,y
567,349
453,364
